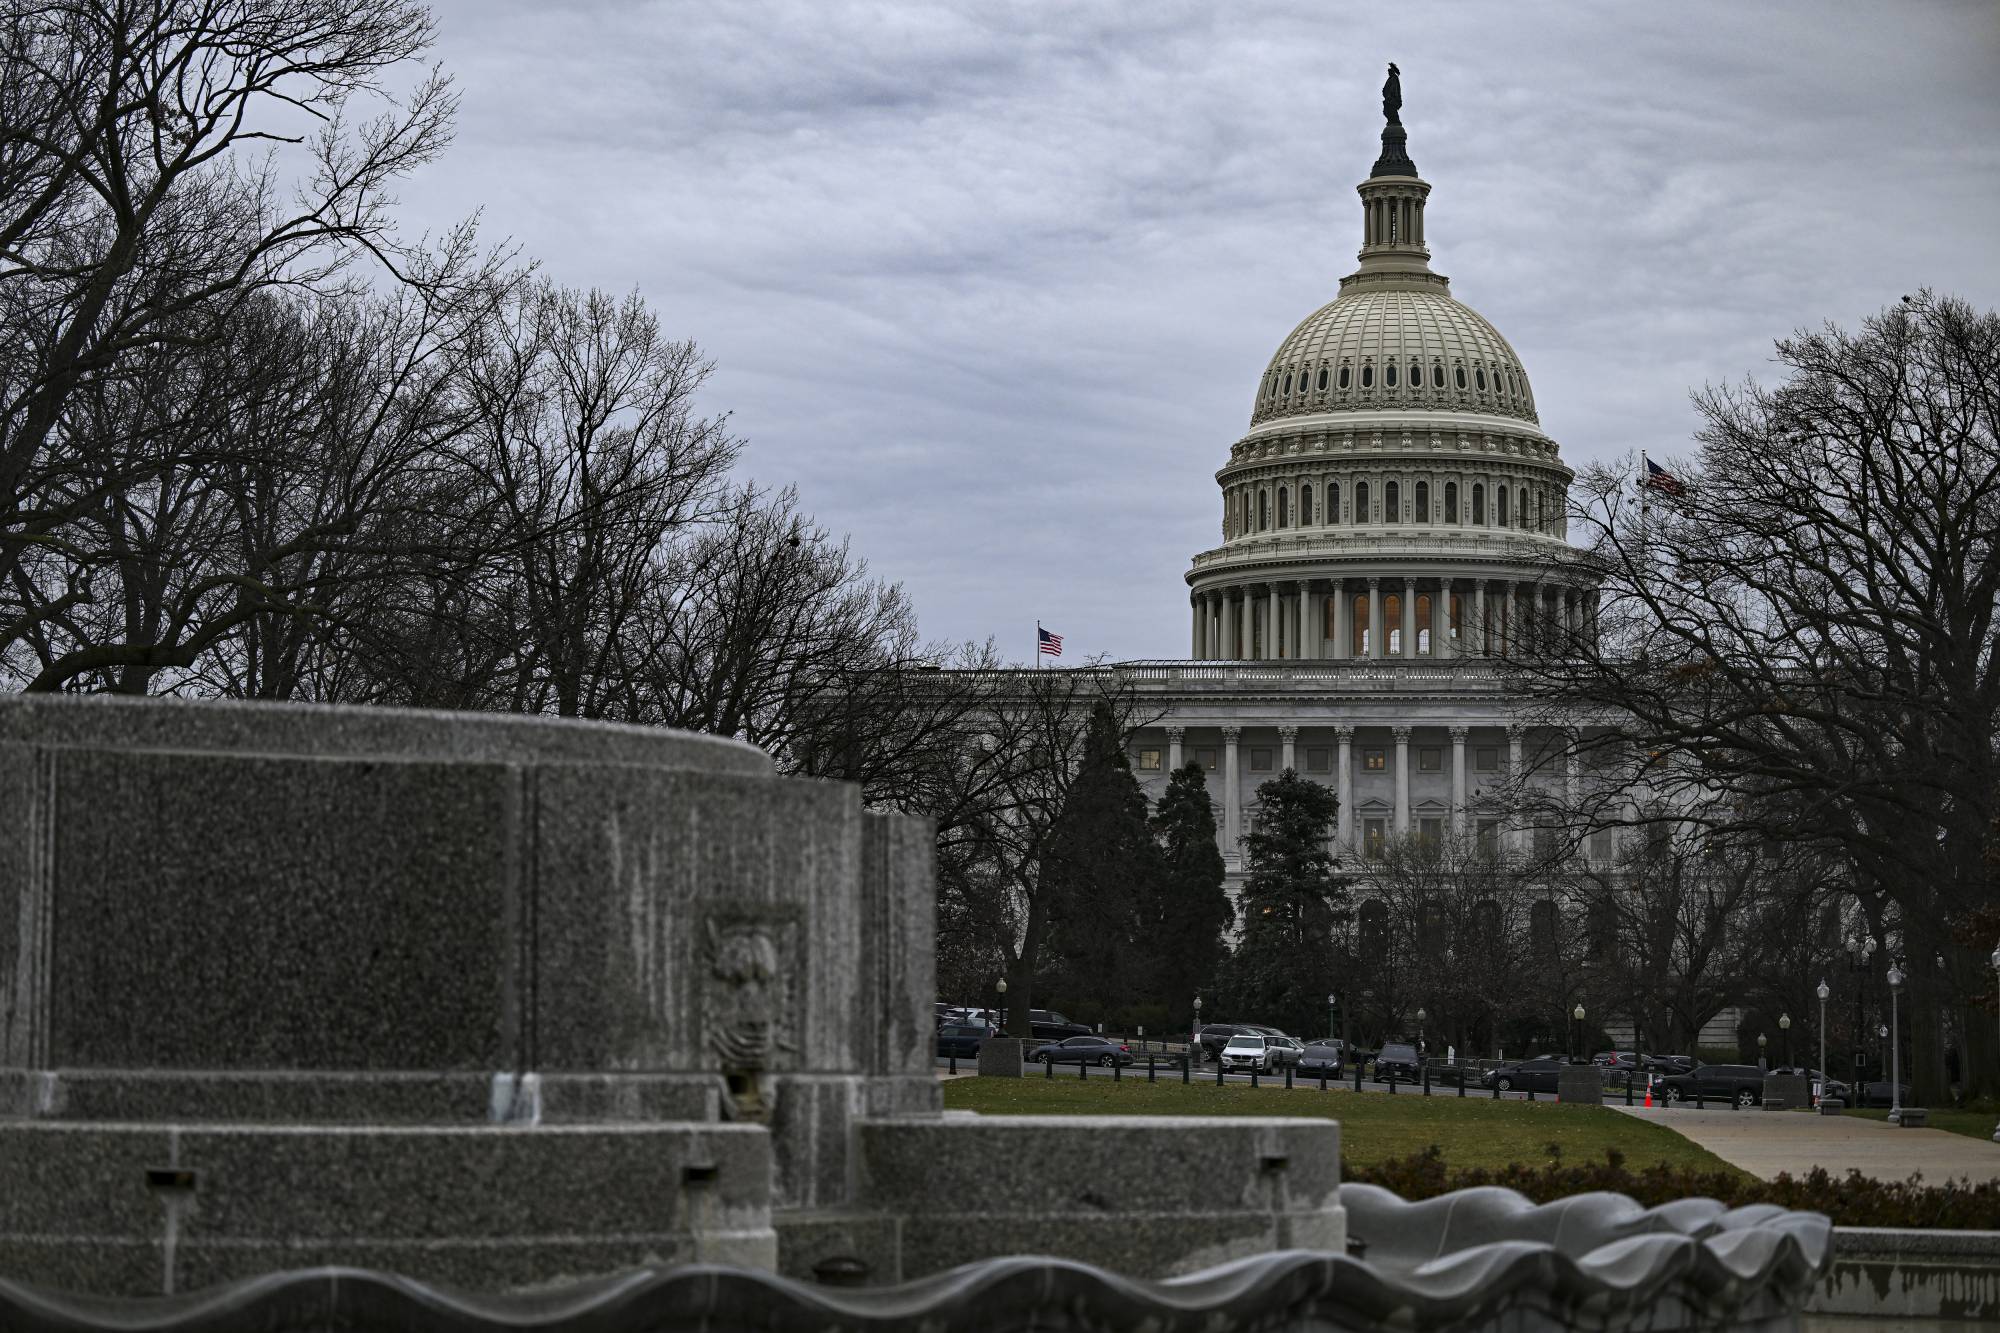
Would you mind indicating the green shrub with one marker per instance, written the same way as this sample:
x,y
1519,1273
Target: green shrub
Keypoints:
x,y
1856,1201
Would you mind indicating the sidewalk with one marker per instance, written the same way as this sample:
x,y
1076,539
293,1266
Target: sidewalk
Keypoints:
x,y
1765,1143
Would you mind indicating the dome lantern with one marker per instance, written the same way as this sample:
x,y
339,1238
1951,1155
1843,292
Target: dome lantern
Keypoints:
x,y
1393,252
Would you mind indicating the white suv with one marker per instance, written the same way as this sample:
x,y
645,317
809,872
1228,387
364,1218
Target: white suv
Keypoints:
x,y
1247,1050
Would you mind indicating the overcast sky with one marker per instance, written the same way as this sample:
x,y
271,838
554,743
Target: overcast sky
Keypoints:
x,y
993,283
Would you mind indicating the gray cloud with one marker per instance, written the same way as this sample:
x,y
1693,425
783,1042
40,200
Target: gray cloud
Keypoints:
x,y
994,283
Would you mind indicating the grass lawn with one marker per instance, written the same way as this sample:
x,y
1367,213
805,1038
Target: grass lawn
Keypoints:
x,y
1972,1124
1471,1132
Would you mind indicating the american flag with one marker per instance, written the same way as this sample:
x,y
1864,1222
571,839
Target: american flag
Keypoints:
x,y
1047,643
1662,480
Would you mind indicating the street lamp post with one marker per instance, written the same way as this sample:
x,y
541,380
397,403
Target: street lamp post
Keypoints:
x,y
1785,1026
1860,953
1194,1037
1421,1016
1762,1042
1895,1048
1000,1011
1331,1001
1577,1014
1823,992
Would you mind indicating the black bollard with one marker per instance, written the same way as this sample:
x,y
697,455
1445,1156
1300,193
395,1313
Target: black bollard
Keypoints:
x,y
1427,1078
1288,1077
1392,1083
1187,1070
1117,1072
1149,1068
1357,1076
1496,1087
1048,1069
1218,1071
1322,1078
1697,1097
1628,1089
1461,1078
1083,1069
953,1066
1253,1077
1531,1091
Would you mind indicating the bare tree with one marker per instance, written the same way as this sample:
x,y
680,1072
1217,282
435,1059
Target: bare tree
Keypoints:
x,y
1797,635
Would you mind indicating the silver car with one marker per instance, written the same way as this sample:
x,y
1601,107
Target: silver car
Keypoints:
x,y
1247,1050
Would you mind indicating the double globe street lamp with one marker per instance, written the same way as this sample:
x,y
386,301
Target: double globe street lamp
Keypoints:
x,y
1895,1048
1823,992
1577,1014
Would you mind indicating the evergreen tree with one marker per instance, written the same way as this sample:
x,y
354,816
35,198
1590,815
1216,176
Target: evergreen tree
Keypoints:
x,y
1101,865
1283,965
1191,910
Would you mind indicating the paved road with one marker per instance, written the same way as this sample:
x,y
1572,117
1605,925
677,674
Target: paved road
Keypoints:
x,y
1206,1074
1765,1143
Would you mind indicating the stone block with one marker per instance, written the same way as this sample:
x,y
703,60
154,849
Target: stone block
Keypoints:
x,y
488,1207
898,945
1774,1103
1791,1090
1001,1057
1580,1083
1831,1106
1080,1187
1916,1117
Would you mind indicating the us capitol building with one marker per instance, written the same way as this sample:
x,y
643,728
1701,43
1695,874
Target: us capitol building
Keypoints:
x,y
1389,527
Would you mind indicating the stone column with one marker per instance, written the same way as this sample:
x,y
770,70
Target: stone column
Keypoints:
x,y
1288,740
1374,617
1309,623
1344,784
1514,830
1402,735
1409,618
1228,620
1174,737
1458,735
1510,611
1441,640
1274,633
1479,615
1194,629
1343,622
1232,791
1570,738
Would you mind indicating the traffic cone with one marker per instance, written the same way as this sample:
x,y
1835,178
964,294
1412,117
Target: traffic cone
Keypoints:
x,y
1649,1089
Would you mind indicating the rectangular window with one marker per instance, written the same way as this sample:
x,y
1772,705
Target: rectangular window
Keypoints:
x,y
1316,761
1374,838
1206,758
1149,761
1489,836
1260,761
1375,761
1486,758
1604,845
1430,831
1430,760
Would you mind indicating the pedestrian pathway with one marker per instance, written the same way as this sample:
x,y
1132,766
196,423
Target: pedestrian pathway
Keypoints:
x,y
1765,1143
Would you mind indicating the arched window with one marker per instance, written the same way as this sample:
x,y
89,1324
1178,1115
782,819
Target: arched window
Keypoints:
x,y
1542,925
1374,925
1500,505
1392,502
1451,502
1486,920
1264,510
1480,377
1423,502
1359,620
1284,507
1479,503
1320,384
1437,374
1333,502
1305,505
1392,623
1361,514
1416,375
1288,383
1367,377
1423,624
1389,375
1457,617
1458,374
1343,377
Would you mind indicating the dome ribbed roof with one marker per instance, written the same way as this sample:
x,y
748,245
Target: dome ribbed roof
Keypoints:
x,y
1367,332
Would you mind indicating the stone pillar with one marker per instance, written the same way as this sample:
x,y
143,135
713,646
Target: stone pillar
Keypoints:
x,y
1570,739
1274,626
1232,791
1228,620
1374,617
1194,629
1288,739
1311,625
1479,616
1458,735
1343,622
1344,784
1175,735
1409,618
1514,831
1442,644
1402,735
1510,611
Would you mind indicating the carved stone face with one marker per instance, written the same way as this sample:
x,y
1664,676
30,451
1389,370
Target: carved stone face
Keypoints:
x,y
745,997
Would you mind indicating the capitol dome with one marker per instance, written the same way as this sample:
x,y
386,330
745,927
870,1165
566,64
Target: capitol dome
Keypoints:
x,y
1404,347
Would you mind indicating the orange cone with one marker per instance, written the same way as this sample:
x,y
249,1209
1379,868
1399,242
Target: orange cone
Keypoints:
x,y
1649,1089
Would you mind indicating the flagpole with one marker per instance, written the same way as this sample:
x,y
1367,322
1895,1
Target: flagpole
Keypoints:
x,y
1038,645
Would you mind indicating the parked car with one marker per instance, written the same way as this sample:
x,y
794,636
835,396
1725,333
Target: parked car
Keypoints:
x,y
1742,1084
1249,1050
1215,1036
1398,1060
1875,1092
1673,1064
1537,1075
1320,1058
962,1039
1284,1050
1084,1051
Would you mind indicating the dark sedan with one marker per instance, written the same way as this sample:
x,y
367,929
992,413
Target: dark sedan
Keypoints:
x,y
1537,1075
1084,1051
1398,1060
1319,1059
962,1039
1741,1084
